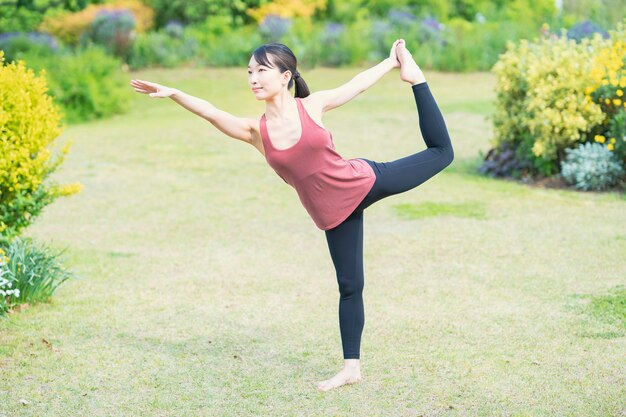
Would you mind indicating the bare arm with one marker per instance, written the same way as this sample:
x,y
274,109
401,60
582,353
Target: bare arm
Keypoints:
x,y
236,127
331,99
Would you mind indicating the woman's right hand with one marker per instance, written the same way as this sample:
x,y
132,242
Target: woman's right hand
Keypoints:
x,y
152,89
393,56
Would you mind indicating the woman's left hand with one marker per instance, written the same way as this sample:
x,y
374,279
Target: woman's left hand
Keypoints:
x,y
393,56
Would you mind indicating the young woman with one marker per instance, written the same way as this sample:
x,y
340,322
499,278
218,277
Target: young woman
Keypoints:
x,y
334,191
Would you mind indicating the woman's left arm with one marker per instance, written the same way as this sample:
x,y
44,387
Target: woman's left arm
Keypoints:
x,y
330,99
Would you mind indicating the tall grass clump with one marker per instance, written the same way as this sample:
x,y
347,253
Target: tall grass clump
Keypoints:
x,y
29,273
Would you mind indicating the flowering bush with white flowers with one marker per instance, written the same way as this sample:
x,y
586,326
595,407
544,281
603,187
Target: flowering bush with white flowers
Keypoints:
x,y
7,292
28,273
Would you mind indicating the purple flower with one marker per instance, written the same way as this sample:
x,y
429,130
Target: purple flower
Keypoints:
x,y
37,38
400,17
585,29
430,23
174,28
113,29
332,31
274,27
430,30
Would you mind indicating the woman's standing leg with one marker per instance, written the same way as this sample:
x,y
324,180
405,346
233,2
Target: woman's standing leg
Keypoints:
x,y
345,243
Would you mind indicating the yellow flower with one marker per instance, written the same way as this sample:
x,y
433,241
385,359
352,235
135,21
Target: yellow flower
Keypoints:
x,y
619,93
599,138
617,101
622,82
612,140
607,101
609,146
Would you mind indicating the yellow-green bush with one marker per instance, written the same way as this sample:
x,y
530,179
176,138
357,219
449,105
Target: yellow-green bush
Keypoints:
x,y
29,122
287,8
608,90
542,106
69,26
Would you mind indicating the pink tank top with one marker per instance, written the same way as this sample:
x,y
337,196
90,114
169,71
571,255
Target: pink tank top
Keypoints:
x,y
329,187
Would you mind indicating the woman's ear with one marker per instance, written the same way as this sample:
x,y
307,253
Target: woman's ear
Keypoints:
x,y
287,76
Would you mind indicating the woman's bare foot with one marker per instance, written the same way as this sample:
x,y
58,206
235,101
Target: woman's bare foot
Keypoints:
x,y
409,70
350,374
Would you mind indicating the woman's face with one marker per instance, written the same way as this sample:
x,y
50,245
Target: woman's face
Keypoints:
x,y
265,81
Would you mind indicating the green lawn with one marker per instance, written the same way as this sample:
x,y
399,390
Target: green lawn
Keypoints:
x,y
206,290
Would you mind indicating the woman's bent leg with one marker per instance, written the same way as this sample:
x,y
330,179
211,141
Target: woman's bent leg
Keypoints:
x,y
407,173
345,243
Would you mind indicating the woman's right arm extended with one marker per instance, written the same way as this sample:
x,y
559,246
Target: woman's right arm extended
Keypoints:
x,y
235,127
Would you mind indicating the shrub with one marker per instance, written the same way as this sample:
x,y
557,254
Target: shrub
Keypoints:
x,y
273,28
607,89
31,273
504,161
29,122
591,166
425,34
174,29
585,29
331,52
541,103
165,48
229,48
198,11
345,46
287,9
113,29
15,44
21,19
88,84
70,26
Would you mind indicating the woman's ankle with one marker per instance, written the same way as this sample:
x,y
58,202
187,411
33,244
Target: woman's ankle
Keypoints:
x,y
352,363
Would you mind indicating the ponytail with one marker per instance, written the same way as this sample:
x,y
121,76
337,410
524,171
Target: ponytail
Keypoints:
x,y
301,89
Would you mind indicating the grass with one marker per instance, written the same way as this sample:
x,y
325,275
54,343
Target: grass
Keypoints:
x,y
206,289
474,209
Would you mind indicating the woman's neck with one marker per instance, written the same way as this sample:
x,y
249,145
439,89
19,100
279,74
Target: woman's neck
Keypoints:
x,y
277,107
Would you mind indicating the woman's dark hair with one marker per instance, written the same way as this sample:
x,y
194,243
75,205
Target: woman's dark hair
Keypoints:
x,y
285,60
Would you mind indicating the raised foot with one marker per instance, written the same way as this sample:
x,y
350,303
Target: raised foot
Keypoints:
x,y
409,70
344,377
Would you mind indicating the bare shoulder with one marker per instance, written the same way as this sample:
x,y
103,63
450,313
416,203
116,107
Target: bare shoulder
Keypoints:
x,y
315,101
314,104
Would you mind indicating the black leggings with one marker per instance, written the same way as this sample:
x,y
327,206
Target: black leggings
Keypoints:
x,y
345,241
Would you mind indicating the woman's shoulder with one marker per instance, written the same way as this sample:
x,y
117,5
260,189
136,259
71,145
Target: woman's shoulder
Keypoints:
x,y
314,107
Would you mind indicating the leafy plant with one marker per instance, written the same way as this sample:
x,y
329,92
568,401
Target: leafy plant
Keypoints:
x,y
29,123
591,166
33,272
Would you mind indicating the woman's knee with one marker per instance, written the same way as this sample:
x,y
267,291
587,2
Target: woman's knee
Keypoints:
x,y
444,158
447,155
350,286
